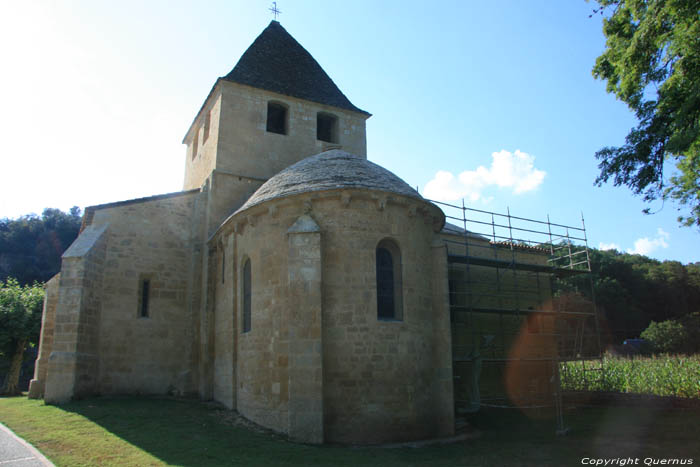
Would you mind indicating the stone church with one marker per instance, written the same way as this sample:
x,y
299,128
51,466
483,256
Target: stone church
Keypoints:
x,y
291,279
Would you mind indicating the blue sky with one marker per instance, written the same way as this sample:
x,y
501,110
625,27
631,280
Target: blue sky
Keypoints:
x,y
493,101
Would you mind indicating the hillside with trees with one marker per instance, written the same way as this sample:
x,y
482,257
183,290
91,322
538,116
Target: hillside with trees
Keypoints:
x,y
31,246
30,254
631,291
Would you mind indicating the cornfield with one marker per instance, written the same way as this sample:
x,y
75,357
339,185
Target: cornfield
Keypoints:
x,y
665,375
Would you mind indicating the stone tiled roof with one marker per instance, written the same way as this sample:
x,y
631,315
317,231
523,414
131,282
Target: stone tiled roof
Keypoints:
x,y
456,230
521,246
330,170
276,62
89,212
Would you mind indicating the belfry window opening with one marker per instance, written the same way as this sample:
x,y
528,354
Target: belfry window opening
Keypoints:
x,y
326,127
276,118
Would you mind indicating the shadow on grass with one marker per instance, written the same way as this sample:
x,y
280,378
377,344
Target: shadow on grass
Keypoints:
x,y
191,433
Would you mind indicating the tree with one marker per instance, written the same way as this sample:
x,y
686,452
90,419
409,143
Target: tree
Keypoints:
x,y
632,290
667,336
652,63
20,322
31,246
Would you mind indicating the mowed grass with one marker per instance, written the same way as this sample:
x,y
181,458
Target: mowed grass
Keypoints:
x,y
666,375
150,431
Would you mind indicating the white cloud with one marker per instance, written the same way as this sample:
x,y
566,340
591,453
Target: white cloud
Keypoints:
x,y
508,170
609,246
645,246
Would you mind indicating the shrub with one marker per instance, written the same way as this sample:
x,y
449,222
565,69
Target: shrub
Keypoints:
x,y
668,336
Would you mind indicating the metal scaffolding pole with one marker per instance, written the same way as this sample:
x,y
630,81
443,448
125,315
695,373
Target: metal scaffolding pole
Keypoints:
x,y
518,281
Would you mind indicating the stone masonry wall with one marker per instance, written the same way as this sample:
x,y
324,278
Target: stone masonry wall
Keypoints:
x,y
225,328
48,319
200,161
381,380
246,148
73,363
239,143
380,376
304,298
262,354
226,194
152,240
528,339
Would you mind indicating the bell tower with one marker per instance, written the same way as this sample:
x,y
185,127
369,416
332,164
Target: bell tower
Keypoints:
x,y
274,108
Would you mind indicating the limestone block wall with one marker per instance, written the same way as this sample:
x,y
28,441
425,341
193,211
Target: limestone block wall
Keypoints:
x,y
490,288
527,342
74,363
273,372
200,158
152,239
262,354
226,193
204,326
48,320
304,281
225,324
245,147
444,400
381,380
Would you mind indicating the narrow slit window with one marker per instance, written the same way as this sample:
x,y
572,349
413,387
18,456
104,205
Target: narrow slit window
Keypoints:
x,y
276,118
144,296
223,266
207,123
246,296
327,128
385,284
195,143
389,284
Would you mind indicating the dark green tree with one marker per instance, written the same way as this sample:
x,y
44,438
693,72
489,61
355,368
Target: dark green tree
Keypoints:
x,y
667,336
652,63
632,290
31,246
20,323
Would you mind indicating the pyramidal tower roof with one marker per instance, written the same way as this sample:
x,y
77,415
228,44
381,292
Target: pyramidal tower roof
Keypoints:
x,y
276,62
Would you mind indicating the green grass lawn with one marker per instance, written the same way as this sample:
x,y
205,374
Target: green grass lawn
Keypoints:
x,y
152,431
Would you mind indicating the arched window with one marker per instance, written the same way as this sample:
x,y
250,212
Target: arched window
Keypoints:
x,y
246,296
277,118
389,287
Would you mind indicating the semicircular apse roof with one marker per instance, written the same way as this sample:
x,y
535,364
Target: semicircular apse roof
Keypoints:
x,y
330,170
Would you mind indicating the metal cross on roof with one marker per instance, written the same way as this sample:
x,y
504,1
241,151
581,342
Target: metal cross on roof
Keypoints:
x,y
274,10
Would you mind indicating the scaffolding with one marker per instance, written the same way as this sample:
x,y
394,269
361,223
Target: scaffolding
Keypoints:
x,y
521,305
